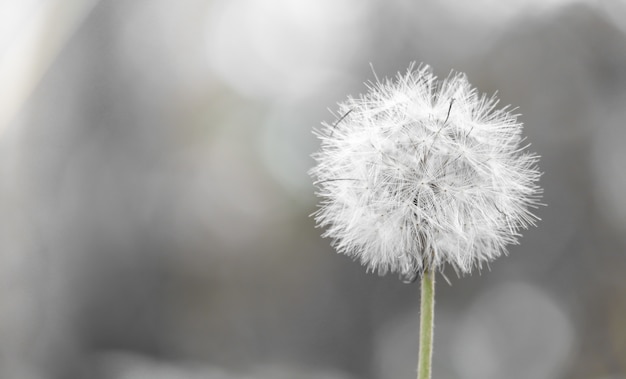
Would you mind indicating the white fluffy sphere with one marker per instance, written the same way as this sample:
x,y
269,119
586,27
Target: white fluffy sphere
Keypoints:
x,y
419,172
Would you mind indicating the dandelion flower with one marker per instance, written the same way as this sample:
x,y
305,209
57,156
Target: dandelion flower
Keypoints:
x,y
420,172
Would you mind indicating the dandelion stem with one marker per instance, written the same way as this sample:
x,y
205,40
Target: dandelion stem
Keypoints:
x,y
427,311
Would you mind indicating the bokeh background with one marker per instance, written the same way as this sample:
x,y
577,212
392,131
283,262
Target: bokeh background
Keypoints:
x,y
155,202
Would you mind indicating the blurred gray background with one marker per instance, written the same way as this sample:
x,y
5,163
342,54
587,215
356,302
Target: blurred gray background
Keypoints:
x,y
155,202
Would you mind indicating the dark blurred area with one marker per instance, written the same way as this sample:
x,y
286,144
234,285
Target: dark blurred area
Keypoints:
x,y
155,199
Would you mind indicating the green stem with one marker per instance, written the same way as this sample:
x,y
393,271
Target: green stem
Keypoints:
x,y
427,308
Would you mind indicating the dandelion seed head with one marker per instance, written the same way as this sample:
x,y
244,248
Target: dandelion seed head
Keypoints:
x,y
420,172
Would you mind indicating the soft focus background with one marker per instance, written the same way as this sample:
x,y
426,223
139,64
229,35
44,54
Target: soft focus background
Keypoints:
x,y
155,200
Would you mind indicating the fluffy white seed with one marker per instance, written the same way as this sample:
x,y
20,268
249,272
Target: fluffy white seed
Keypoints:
x,y
419,172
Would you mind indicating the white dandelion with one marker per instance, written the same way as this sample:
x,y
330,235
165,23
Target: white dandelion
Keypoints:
x,y
419,173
